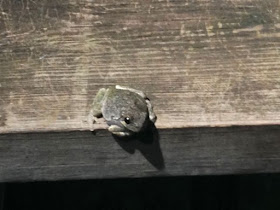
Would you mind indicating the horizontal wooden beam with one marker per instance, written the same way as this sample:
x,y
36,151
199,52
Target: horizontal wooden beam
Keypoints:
x,y
209,63
86,155
202,64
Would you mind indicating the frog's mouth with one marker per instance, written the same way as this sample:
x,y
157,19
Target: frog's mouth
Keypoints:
x,y
116,124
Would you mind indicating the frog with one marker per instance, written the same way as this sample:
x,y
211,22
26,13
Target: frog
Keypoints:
x,y
127,111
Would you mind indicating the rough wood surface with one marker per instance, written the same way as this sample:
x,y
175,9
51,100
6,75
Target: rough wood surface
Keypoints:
x,y
193,151
202,63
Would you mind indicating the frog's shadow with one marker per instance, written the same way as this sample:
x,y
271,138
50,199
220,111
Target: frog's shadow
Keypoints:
x,y
147,143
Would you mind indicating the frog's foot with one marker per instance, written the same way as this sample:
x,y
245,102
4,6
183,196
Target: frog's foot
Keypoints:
x,y
118,131
89,120
152,115
121,134
97,103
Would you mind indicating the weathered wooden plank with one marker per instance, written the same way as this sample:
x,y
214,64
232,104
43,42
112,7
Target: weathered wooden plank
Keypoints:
x,y
193,151
202,63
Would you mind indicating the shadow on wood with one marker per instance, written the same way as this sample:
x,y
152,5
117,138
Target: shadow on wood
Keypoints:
x,y
147,143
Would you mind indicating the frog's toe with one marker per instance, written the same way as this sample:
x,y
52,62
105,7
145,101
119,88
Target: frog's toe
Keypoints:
x,y
153,117
115,128
118,131
121,134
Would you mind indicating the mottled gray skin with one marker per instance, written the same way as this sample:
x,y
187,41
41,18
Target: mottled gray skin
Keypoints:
x,y
127,111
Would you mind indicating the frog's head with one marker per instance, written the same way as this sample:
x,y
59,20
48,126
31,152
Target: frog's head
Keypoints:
x,y
128,123
126,112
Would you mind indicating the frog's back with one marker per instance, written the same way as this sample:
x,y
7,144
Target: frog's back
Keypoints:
x,y
120,102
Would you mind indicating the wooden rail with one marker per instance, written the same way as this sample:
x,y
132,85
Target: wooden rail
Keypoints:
x,y
202,63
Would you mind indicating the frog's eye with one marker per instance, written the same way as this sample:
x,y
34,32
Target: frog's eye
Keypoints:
x,y
127,120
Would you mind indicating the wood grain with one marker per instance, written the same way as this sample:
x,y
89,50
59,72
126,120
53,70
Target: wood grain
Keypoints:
x,y
193,151
202,63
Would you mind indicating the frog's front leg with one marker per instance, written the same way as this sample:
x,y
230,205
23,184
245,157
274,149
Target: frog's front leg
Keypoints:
x,y
98,103
152,115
